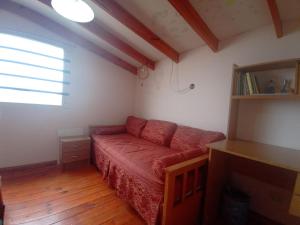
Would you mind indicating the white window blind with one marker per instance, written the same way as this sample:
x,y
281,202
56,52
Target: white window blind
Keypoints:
x,y
31,71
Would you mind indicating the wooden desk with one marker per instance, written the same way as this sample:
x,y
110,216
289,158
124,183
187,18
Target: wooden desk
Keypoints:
x,y
275,165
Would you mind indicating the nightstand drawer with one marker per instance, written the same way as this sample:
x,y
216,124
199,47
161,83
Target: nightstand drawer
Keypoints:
x,y
74,156
75,146
74,149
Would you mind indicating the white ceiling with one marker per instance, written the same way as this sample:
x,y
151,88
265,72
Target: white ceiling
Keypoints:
x,y
47,11
226,18
164,20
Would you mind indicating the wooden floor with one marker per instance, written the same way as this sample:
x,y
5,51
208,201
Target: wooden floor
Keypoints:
x,y
67,198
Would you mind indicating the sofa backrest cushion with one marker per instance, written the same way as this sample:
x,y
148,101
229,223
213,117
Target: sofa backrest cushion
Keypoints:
x,y
159,132
188,138
108,130
135,125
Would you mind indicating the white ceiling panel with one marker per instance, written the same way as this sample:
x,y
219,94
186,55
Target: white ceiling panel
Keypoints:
x,y
124,33
226,18
163,19
289,9
51,14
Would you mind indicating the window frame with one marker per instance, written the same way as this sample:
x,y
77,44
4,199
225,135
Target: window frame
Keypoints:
x,y
45,41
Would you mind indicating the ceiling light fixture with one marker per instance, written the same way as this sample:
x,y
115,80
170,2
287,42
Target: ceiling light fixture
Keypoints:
x,y
75,10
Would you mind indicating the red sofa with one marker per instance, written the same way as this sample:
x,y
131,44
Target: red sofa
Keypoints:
x,y
133,157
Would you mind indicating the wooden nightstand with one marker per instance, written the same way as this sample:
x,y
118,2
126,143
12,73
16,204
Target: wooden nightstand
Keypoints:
x,y
74,149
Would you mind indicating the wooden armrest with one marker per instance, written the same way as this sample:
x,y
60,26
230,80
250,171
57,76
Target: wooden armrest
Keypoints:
x,y
184,187
185,165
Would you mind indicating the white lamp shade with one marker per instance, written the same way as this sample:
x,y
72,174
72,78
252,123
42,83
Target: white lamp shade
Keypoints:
x,y
75,10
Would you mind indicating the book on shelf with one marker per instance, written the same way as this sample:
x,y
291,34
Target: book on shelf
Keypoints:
x,y
246,84
245,88
254,82
249,83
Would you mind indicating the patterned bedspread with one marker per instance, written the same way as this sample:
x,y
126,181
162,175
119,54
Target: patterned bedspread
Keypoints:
x,y
125,162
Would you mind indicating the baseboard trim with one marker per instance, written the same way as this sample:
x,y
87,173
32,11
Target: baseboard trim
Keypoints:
x,y
28,166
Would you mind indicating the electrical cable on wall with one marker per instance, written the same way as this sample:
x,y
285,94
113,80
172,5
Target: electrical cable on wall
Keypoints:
x,y
174,80
143,74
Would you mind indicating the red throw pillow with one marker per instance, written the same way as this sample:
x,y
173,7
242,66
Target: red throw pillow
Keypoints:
x,y
135,125
159,165
188,138
159,132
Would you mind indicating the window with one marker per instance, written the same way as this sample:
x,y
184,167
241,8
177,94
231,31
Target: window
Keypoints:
x,y
31,71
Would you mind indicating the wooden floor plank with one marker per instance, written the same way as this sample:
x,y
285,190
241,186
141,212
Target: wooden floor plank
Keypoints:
x,y
72,212
50,208
36,193
65,198
61,203
40,198
44,182
100,213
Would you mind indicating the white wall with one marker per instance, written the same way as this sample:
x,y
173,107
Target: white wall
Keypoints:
x,y
207,105
100,93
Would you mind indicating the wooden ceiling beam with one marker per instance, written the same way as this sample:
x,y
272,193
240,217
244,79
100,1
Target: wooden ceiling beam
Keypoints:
x,y
275,17
105,35
66,33
187,11
119,44
124,17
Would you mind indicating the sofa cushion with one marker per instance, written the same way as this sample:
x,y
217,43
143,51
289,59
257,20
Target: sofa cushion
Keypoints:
x,y
159,132
135,125
135,154
188,138
159,165
108,130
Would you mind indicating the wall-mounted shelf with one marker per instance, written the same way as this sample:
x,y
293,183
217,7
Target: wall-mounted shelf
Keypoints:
x,y
259,75
266,97
279,78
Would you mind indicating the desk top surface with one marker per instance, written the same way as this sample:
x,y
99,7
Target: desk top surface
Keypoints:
x,y
269,154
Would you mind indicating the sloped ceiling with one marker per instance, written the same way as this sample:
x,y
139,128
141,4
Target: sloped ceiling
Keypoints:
x,y
164,21
225,18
